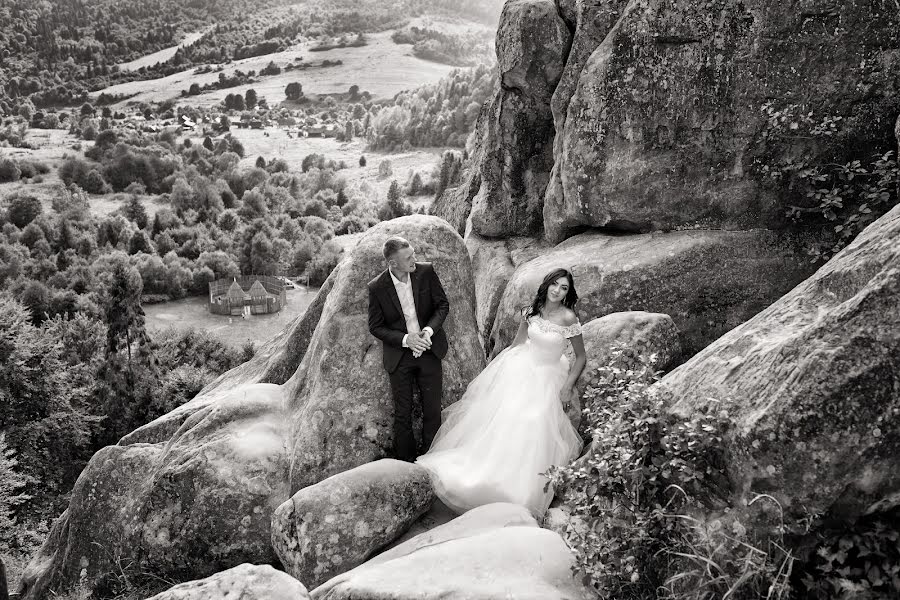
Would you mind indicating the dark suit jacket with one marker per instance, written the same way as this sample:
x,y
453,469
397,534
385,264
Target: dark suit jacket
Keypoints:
x,y
386,321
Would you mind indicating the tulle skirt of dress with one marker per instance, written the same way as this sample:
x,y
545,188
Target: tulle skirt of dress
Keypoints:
x,y
507,429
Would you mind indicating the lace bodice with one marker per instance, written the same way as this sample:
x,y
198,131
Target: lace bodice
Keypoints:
x,y
548,326
548,338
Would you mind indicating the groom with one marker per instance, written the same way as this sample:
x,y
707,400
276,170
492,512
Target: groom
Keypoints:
x,y
407,308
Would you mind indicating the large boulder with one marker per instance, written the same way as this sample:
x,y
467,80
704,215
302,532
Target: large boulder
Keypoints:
x,y
187,508
199,499
274,362
244,582
532,45
648,334
335,525
666,125
811,387
492,552
339,398
493,263
707,281
643,332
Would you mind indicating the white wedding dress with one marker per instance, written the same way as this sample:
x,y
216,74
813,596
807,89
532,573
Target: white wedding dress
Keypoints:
x,y
508,428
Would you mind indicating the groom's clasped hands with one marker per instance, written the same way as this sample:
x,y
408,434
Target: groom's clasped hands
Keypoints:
x,y
419,342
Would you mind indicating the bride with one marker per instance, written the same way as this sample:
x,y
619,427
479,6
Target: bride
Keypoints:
x,y
509,426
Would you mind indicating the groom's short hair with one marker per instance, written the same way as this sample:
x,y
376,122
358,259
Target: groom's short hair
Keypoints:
x,y
392,244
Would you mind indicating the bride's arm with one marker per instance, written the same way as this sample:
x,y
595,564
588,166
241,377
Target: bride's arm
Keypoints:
x,y
577,341
580,361
521,334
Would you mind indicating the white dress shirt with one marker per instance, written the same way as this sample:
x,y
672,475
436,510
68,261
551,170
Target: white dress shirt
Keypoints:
x,y
405,293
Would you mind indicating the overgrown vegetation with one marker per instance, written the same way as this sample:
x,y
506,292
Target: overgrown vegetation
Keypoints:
x,y
650,516
841,188
649,519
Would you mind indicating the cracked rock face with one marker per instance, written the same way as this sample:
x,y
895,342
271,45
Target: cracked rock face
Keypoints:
x,y
811,386
643,115
517,149
193,493
664,126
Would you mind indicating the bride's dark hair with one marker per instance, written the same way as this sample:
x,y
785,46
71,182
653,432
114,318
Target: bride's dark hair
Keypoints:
x,y
540,299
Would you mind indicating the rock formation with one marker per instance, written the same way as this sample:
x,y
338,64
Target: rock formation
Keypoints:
x,y
665,126
811,387
707,281
517,144
246,581
199,497
657,111
337,524
663,119
493,551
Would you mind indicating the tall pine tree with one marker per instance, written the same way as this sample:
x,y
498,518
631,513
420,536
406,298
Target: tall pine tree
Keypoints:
x,y
129,374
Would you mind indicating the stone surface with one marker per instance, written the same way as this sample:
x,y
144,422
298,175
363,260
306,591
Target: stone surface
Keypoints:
x,y
339,397
200,499
274,362
662,125
707,281
647,333
243,582
493,263
335,525
812,387
532,45
495,551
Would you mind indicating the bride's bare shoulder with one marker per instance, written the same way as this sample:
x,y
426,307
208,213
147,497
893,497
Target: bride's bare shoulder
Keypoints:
x,y
569,317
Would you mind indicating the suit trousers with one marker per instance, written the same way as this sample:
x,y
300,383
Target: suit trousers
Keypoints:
x,y
428,373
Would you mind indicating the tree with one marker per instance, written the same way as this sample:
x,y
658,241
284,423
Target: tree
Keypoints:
x,y
293,91
128,374
207,142
9,170
11,495
362,161
415,186
140,243
136,213
86,109
260,162
446,171
393,194
394,206
23,210
250,98
36,299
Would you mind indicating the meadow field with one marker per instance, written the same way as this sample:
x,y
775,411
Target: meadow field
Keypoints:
x,y
381,68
